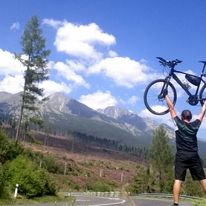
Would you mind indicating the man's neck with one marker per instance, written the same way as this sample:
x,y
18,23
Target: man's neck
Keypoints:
x,y
185,120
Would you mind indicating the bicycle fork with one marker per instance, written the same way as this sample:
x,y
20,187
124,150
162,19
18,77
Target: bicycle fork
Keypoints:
x,y
164,88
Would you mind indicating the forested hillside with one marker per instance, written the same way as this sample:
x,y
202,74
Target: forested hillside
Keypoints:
x,y
54,168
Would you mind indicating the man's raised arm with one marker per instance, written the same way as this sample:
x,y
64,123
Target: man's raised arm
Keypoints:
x,y
171,107
202,113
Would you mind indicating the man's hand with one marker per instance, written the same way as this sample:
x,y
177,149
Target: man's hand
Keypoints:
x,y
170,106
204,106
165,92
202,113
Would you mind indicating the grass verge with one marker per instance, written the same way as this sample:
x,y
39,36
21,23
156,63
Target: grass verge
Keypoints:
x,y
200,202
46,199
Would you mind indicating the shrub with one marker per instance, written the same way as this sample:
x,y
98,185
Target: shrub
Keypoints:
x,y
101,186
52,166
3,188
8,149
33,181
47,162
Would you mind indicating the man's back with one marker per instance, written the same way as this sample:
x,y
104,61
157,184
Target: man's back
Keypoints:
x,y
186,135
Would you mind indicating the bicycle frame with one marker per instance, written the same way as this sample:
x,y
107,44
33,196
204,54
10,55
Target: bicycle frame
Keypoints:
x,y
176,78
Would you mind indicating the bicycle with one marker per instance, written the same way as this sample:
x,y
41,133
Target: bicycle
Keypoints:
x,y
154,95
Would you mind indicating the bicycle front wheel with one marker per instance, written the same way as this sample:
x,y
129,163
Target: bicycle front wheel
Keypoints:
x,y
153,98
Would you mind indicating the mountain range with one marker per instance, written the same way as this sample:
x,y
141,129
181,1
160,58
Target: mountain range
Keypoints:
x,y
65,115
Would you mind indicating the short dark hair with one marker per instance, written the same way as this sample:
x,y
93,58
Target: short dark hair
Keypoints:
x,y
186,114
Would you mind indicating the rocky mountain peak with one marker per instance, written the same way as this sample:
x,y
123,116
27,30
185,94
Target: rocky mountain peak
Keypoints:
x,y
57,102
114,112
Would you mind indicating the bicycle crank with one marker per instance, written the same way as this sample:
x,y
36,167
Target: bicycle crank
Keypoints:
x,y
192,100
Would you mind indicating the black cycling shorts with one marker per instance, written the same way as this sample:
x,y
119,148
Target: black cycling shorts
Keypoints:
x,y
191,161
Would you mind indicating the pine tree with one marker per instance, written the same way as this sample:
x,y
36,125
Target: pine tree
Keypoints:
x,y
35,60
144,180
161,158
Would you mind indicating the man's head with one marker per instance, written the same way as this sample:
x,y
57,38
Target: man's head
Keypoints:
x,y
186,115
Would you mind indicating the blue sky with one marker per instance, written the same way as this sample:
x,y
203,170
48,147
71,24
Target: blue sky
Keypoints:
x,y
103,51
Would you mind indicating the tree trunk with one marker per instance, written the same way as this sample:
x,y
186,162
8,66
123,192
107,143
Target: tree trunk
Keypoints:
x,y
20,118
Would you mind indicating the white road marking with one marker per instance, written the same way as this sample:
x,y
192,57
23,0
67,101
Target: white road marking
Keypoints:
x,y
101,204
82,200
114,203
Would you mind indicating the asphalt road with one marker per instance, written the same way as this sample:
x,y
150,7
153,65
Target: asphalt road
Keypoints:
x,y
98,201
137,201
85,200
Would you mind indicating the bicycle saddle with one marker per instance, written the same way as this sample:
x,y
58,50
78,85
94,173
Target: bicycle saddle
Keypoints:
x,y
204,62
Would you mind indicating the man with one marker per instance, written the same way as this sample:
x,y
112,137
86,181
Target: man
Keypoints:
x,y
187,149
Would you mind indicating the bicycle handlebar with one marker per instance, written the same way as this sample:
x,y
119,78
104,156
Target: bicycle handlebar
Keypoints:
x,y
170,64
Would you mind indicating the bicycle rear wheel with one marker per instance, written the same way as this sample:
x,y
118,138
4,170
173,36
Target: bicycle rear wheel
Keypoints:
x,y
203,94
154,100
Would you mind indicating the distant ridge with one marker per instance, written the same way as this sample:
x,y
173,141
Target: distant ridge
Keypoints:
x,y
64,114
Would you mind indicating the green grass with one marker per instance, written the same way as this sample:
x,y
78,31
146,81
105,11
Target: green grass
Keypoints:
x,y
46,199
200,202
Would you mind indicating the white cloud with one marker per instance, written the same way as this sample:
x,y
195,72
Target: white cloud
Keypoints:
x,y
89,47
76,65
147,113
123,70
9,65
66,71
53,23
15,26
50,87
80,40
166,119
98,100
158,108
131,101
12,72
12,84
112,53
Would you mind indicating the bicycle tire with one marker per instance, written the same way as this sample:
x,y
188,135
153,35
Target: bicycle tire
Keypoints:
x,y
202,95
158,106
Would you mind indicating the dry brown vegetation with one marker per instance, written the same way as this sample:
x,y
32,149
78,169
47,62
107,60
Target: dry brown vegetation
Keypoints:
x,y
86,168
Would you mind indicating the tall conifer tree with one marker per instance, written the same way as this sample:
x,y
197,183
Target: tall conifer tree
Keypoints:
x,y
161,158
34,58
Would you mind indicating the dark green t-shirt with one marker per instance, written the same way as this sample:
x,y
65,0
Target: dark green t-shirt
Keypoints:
x,y
186,135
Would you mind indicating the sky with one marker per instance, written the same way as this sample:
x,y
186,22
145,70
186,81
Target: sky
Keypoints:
x,y
103,52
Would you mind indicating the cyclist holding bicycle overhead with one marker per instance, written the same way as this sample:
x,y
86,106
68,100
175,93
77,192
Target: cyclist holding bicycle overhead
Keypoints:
x,y
187,149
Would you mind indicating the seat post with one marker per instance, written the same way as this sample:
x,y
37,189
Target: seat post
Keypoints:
x,y
203,69
204,64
